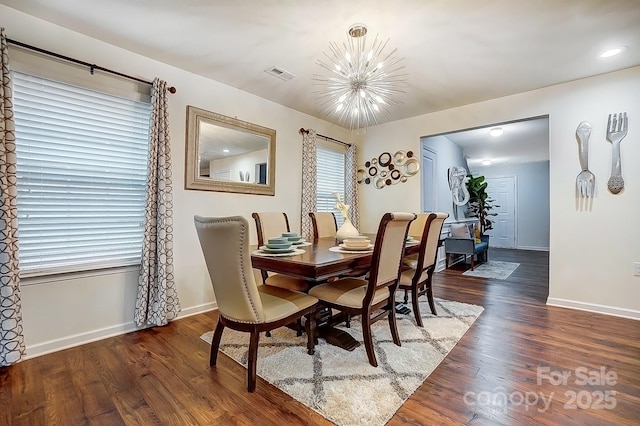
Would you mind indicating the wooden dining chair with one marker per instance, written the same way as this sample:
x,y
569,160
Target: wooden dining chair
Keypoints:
x,y
372,298
242,304
269,225
324,224
417,279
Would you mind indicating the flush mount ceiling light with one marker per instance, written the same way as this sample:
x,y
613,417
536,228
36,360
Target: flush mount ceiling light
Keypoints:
x,y
361,81
496,131
486,162
612,52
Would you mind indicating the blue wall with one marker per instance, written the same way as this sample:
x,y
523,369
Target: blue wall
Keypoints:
x,y
532,203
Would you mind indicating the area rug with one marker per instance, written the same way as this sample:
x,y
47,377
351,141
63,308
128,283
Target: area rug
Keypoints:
x,y
493,269
342,386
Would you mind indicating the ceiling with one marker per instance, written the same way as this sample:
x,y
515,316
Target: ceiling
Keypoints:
x,y
455,52
521,142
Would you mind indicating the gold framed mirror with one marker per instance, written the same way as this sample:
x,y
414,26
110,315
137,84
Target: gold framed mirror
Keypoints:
x,y
225,154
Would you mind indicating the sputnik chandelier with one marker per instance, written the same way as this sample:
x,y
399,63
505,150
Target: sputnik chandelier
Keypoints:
x,y
362,80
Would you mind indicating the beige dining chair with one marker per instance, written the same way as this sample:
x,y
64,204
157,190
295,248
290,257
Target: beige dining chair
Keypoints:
x,y
418,278
324,224
242,304
269,225
372,298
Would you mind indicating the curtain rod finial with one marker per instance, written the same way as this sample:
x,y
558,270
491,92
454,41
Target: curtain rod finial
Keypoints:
x,y
172,90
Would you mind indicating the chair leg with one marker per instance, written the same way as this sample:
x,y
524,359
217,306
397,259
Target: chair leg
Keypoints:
x,y
446,260
368,340
252,361
416,309
472,264
215,342
392,323
432,304
347,321
299,327
311,332
406,298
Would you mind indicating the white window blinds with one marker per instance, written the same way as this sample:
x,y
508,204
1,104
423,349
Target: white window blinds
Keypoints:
x,y
81,176
330,178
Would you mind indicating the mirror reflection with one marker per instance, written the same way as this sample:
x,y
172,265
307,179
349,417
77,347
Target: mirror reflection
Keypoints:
x,y
229,155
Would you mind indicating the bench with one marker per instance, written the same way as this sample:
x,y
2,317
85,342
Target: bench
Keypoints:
x,y
462,242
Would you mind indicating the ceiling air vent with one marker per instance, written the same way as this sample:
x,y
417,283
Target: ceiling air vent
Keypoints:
x,y
279,72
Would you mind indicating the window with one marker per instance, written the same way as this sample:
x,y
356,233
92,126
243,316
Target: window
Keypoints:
x,y
81,176
330,177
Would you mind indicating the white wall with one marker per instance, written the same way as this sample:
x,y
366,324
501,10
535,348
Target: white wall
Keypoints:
x,y
66,311
593,246
532,204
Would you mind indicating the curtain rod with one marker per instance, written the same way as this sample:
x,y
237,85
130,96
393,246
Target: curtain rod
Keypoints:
x,y
303,130
92,67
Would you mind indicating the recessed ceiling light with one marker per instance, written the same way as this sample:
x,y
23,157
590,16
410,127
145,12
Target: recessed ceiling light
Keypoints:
x,y
496,131
612,52
225,150
486,162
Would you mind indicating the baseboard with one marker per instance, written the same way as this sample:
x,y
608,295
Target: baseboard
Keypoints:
x,y
532,248
593,307
102,333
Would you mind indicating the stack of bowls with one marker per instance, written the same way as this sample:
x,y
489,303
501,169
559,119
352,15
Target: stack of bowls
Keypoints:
x,y
277,245
293,237
356,243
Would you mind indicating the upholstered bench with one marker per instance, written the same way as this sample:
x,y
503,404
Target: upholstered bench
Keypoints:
x,y
462,241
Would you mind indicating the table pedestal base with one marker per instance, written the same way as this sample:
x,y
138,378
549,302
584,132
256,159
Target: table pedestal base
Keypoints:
x,y
326,330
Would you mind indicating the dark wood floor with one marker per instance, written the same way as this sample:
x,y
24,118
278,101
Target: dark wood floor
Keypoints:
x,y
162,376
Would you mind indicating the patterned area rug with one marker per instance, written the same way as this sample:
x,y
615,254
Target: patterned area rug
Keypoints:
x,y
493,269
342,386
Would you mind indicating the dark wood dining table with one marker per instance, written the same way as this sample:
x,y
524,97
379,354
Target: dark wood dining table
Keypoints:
x,y
316,265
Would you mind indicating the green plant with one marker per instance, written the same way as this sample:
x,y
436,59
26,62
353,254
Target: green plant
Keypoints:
x,y
480,205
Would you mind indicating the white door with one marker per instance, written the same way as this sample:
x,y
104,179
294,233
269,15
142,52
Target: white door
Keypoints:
x,y
429,180
503,191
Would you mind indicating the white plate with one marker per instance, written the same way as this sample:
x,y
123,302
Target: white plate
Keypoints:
x,y
369,247
278,250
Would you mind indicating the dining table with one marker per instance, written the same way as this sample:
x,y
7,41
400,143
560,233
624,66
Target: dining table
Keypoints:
x,y
319,263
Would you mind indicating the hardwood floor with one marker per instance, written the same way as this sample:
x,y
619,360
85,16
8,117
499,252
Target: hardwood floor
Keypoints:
x,y
162,375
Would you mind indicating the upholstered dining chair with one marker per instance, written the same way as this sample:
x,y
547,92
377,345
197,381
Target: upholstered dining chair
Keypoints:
x,y
417,279
242,304
324,224
273,224
372,298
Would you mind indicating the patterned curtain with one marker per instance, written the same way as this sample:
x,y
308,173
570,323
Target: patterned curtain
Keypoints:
x,y
309,187
157,301
351,185
11,339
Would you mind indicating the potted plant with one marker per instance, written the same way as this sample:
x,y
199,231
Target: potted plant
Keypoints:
x,y
480,205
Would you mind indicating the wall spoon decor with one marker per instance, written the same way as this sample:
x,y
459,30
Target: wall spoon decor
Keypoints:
x,y
386,169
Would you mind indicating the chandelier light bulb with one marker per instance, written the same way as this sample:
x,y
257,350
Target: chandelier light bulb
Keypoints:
x,y
365,78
